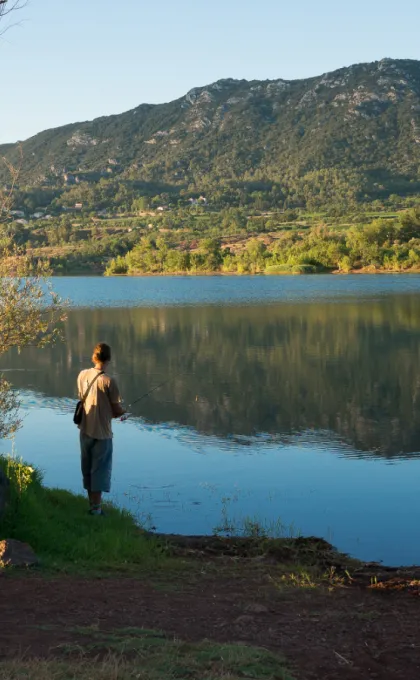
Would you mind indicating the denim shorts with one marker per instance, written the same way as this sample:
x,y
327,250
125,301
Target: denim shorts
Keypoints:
x,y
96,460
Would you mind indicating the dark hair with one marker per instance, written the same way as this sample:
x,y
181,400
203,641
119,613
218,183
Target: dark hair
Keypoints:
x,y
101,353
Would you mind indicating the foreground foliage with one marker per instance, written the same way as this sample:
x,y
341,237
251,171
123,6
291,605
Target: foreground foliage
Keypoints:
x,y
30,314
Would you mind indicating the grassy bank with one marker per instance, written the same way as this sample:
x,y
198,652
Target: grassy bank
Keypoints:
x,y
63,535
57,526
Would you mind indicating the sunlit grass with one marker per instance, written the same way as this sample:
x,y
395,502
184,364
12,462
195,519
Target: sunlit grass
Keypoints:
x,y
311,578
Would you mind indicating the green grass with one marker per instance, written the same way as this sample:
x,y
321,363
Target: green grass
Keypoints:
x,y
148,655
195,663
57,526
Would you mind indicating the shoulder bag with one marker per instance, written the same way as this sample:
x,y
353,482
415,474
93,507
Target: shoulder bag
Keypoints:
x,y
78,412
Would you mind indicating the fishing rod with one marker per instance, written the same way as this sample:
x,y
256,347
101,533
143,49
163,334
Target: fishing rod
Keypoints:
x,y
143,396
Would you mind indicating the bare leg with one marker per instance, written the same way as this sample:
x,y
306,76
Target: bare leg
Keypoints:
x,y
95,498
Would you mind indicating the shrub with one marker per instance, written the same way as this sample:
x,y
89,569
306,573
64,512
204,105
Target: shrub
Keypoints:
x,y
291,269
304,269
117,266
279,269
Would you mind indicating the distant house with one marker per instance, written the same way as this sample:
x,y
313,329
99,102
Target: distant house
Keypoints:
x,y
162,208
78,206
196,201
112,161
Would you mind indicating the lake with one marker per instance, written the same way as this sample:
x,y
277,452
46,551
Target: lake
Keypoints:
x,y
291,401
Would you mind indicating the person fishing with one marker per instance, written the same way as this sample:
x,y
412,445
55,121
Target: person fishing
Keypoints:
x,y
100,403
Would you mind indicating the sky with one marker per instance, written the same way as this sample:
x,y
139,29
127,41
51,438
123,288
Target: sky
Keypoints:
x,y
65,61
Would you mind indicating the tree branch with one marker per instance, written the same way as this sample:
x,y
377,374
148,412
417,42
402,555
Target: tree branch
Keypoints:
x,y
7,7
6,197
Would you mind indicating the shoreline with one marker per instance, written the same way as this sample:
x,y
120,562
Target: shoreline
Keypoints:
x,y
196,607
311,551
335,272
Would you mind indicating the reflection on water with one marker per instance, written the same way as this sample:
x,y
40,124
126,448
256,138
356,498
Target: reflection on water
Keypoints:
x,y
341,373
304,410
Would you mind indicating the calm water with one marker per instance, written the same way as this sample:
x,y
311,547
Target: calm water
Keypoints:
x,y
292,397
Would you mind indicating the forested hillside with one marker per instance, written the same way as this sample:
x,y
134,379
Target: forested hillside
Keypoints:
x,y
341,138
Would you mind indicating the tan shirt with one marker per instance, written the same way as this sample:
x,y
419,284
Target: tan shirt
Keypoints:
x,y
97,415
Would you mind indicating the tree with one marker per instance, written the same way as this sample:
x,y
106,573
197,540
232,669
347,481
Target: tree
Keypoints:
x,y
140,204
212,253
409,225
30,312
7,7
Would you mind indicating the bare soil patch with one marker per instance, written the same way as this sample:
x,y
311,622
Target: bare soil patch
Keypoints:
x,y
366,627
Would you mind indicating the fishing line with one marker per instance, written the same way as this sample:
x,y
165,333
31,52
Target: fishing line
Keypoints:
x,y
143,396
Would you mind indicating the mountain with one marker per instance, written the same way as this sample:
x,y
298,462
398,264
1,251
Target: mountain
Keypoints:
x,y
357,127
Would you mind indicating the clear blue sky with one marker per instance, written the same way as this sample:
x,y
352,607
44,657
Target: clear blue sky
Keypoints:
x,y
73,60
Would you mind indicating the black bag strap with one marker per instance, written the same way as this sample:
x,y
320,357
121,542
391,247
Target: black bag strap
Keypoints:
x,y
85,396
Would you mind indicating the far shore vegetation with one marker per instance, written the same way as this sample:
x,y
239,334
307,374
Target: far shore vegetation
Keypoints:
x,y
145,238
383,245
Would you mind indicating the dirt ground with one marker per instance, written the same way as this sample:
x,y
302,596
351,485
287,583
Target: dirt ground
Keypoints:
x,y
345,631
